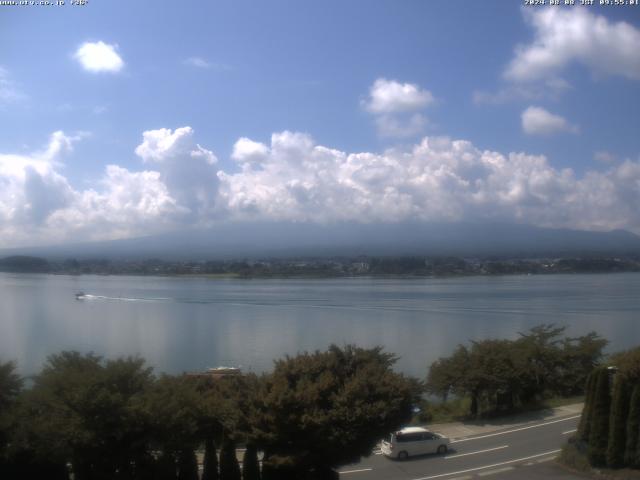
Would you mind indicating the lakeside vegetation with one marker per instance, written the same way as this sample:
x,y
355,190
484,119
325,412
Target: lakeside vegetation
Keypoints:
x,y
327,267
492,376
313,413
114,419
608,435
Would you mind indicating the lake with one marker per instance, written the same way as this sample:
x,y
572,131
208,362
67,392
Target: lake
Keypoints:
x,y
183,324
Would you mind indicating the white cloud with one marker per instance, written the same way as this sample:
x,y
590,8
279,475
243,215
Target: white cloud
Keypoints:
x,y
247,152
575,35
9,91
96,57
292,178
394,106
390,96
188,170
437,179
197,62
538,121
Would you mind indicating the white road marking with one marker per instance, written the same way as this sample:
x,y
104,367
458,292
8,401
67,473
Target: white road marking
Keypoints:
x,y
356,471
497,470
570,431
473,453
488,466
548,459
515,429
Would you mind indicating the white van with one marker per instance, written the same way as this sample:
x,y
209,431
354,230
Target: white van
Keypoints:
x,y
413,441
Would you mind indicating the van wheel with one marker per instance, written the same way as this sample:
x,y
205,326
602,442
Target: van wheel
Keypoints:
x,y
442,449
403,455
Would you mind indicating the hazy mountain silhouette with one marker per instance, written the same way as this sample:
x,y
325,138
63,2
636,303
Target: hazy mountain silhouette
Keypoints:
x,y
251,240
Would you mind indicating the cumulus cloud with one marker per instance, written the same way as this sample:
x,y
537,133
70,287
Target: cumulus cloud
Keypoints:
x,y
437,179
97,57
575,35
394,106
538,121
187,169
292,178
391,96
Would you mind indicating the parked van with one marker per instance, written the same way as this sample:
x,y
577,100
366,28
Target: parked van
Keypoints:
x,y
413,441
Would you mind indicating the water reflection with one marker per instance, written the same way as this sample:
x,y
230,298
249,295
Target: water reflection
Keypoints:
x,y
188,324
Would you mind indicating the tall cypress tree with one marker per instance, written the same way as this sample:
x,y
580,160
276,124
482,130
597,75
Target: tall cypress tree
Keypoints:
x,y
250,466
187,465
210,467
585,419
618,422
229,468
166,467
599,429
632,450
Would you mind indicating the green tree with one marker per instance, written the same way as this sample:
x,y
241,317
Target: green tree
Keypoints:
x,y
587,410
210,463
187,465
81,410
578,357
632,450
599,430
229,467
618,422
172,411
10,387
325,409
250,465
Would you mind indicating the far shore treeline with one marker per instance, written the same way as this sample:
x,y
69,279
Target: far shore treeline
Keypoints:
x,y
342,266
100,418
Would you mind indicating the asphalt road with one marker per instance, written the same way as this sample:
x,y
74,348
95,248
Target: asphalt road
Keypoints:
x,y
506,454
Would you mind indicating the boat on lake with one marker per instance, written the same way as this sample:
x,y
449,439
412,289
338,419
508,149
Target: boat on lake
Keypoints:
x,y
80,296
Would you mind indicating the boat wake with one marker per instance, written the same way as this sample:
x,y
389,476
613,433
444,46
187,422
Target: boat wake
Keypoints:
x,y
88,296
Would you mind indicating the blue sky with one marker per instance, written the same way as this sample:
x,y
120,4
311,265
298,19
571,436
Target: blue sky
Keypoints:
x,y
367,81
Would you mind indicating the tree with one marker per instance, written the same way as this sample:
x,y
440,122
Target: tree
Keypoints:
x,y
618,422
325,409
81,410
210,463
632,450
10,387
229,468
250,465
172,410
587,410
599,429
187,465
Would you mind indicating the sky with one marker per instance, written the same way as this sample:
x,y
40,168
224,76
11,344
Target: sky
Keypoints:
x,y
123,119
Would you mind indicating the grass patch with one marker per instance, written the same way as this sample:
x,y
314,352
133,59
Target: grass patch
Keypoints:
x,y
574,457
457,409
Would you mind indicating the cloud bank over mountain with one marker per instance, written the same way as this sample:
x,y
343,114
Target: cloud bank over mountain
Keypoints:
x,y
292,178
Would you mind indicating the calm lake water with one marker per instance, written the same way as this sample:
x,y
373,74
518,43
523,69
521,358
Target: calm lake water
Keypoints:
x,y
180,324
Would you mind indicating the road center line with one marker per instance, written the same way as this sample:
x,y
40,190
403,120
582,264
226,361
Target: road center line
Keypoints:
x,y
473,453
488,466
570,431
515,429
356,471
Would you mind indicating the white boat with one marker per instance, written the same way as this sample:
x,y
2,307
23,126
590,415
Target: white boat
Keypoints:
x,y
80,296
